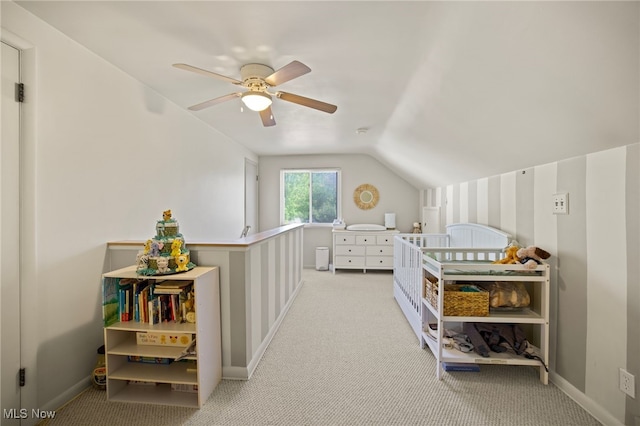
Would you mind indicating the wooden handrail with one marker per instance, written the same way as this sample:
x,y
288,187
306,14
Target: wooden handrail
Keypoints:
x,y
240,242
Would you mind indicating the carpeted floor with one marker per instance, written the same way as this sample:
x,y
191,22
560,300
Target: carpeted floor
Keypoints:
x,y
345,355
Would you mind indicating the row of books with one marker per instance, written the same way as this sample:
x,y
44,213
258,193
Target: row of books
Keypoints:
x,y
154,302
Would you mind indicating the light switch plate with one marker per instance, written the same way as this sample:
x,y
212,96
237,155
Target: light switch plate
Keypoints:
x,y
561,203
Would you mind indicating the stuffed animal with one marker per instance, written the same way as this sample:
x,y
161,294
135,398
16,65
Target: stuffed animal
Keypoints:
x,y
532,256
166,215
182,261
142,261
417,229
155,249
510,257
163,265
175,248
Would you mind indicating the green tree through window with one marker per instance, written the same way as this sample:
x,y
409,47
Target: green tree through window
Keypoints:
x,y
310,196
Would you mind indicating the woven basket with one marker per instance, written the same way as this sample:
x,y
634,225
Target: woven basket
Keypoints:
x,y
459,303
431,292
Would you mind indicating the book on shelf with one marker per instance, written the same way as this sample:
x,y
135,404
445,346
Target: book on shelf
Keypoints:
x,y
183,387
140,300
149,360
110,301
172,284
460,366
129,290
162,338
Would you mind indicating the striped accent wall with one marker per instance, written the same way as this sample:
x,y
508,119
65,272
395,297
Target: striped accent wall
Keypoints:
x,y
595,297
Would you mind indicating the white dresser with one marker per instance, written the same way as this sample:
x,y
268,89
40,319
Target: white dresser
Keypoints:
x,y
363,249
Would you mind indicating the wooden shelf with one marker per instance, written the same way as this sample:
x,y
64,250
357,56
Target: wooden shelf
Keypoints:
x,y
160,394
524,316
202,370
454,355
175,372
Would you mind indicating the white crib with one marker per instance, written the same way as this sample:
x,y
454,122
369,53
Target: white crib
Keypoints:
x,y
408,261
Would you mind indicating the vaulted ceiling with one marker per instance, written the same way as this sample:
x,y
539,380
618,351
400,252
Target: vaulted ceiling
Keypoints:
x,y
446,91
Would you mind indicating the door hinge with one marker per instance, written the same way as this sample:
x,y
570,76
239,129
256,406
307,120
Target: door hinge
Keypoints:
x,y
19,92
23,376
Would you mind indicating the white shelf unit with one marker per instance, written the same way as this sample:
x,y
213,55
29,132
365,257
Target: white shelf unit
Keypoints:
x,y
363,250
438,262
120,343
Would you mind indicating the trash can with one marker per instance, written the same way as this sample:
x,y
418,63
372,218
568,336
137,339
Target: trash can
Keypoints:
x,y
322,258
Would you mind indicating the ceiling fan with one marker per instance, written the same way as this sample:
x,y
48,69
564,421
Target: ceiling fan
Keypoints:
x,y
258,79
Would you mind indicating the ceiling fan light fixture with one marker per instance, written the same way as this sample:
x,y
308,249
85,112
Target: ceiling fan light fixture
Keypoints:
x,y
256,101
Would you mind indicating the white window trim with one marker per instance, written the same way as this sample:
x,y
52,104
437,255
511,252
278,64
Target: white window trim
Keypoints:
x,y
312,170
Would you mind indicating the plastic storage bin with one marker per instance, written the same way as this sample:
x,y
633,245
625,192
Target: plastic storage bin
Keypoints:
x,y
322,258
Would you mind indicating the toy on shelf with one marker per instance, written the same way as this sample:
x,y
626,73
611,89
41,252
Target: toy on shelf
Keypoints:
x,y
532,256
165,253
511,256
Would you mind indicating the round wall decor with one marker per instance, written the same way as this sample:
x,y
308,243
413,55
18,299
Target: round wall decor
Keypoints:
x,y
366,196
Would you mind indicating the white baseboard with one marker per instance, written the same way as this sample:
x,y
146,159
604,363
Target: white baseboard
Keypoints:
x,y
593,408
235,373
64,398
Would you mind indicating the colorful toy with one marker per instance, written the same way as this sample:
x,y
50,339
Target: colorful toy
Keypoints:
x,y
182,261
154,251
147,247
163,265
532,256
175,248
166,215
142,261
511,256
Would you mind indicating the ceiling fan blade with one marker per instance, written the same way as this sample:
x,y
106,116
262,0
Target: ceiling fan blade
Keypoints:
x,y
293,70
308,102
267,117
207,73
215,101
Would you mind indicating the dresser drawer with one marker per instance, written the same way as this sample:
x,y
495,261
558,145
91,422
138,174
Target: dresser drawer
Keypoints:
x,y
349,250
345,239
379,250
385,261
342,261
384,240
364,240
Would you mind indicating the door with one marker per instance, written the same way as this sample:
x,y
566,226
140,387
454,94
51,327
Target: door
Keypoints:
x,y
431,220
251,195
9,231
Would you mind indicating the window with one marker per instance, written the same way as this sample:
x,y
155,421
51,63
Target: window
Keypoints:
x,y
309,196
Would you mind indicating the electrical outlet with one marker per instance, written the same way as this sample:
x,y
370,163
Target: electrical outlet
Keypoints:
x,y
561,203
627,383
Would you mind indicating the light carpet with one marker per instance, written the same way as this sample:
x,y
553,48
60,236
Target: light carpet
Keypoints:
x,y
345,355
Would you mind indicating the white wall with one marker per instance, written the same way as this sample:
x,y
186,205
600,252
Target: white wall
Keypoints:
x,y
396,194
105,156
